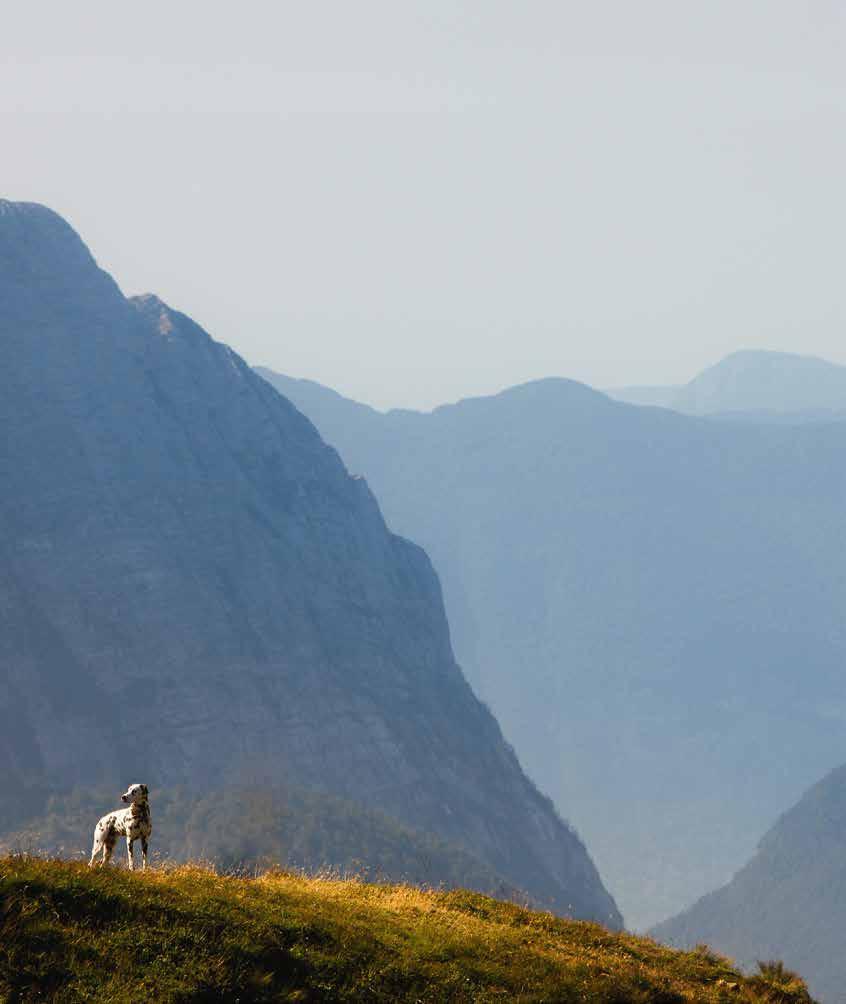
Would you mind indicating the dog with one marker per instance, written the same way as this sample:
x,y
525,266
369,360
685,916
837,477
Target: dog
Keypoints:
x,y
132,823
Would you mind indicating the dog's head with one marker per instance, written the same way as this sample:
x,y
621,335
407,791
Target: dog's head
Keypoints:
x,y
135,794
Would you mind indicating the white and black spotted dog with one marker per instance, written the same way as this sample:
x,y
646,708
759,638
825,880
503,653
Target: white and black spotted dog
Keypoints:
x,y
132,823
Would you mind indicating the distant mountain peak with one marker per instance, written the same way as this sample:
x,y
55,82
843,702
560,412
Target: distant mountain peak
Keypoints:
x,y
556,385
769,357
765,380
554,395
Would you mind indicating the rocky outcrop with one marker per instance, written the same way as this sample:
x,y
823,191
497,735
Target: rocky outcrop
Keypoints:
x,y
195,590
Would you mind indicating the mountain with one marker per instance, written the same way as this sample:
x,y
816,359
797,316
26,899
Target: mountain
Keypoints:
x,y
650,602
765,382
759,384
195,591
789,900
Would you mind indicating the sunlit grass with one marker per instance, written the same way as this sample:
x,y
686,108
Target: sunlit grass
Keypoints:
x,y
186,933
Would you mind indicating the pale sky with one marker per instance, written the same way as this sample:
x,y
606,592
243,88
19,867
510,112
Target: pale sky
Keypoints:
x,y
417,202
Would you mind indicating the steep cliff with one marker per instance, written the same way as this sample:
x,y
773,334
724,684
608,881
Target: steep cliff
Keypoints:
x,y
196,592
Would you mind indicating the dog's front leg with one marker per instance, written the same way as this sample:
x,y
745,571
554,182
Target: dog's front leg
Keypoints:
x,y
143,854
129,843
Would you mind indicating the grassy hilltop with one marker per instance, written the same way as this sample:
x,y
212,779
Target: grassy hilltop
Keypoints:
x,y
185,933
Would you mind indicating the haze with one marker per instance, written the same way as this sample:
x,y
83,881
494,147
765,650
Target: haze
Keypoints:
x,y
415,203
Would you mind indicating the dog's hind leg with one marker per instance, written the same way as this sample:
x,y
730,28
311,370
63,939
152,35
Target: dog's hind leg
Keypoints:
x,y
143,854
108,846
101,835
130,860
95,850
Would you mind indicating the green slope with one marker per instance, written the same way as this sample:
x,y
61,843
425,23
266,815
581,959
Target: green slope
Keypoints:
x,y
67,934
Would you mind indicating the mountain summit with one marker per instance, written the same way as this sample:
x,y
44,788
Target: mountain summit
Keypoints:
x,y
759,381
756,384
196,591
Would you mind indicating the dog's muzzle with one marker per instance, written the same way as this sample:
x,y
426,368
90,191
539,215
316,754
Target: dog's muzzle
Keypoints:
x,y
123,798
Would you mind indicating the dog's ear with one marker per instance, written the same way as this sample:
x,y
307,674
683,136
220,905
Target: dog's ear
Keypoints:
x,y
144,789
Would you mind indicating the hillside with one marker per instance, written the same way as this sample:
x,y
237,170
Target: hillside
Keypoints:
x,y
645,599
789,899
67,933
196,593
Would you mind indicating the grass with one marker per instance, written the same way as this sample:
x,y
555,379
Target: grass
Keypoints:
x,y
187,934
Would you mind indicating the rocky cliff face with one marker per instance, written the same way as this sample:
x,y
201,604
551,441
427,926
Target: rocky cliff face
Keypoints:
x,y
195,591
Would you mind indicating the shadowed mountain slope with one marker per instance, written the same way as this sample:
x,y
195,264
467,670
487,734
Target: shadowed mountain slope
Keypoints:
x,y
650,602
196,592
789,901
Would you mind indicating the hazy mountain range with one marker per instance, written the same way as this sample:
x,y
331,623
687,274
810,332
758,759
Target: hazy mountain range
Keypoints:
x,y
196,593
652,603
756,384
789,901
650,599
